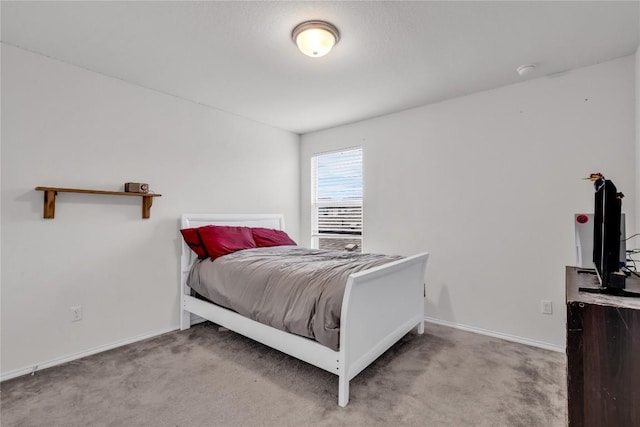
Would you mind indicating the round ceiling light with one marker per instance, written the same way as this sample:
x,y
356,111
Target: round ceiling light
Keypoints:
x,y
315,38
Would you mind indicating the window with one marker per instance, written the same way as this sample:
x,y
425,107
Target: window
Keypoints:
x,y
336,200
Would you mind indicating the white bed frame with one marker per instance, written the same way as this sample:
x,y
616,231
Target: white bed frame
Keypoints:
x,y
380,306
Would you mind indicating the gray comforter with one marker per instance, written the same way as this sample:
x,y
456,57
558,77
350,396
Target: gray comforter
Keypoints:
x,y
294,289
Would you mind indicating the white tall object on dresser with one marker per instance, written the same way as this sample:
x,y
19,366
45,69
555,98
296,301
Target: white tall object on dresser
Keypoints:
x,y
380,306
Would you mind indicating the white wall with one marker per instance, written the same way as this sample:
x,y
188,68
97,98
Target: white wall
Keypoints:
x,y
489,183
67,127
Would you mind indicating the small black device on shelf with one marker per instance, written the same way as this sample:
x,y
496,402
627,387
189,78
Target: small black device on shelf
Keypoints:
x,y
136,187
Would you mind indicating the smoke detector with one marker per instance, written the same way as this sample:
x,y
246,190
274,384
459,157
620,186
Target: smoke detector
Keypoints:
x,y
523,70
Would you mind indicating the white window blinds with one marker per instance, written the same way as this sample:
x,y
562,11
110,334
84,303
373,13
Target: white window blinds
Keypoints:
x,y
336,198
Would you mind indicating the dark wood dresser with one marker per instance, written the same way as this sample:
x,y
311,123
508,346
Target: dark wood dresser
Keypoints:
x,y
603,354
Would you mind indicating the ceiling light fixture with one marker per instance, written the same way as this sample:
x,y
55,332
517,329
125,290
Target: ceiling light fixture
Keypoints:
x,y
315,38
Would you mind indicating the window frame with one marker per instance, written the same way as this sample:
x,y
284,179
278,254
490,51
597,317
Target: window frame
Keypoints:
x,y
317,204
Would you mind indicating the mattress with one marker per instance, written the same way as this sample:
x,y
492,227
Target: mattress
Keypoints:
x,y
294,289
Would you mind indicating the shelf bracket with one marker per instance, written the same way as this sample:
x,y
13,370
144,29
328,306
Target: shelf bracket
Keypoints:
x,y
147,201
49,204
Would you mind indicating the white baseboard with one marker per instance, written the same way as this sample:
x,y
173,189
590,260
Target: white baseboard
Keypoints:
x,y
196,319
507,337
60,360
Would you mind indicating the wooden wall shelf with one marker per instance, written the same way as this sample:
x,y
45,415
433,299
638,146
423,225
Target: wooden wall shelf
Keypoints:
x,y
51,192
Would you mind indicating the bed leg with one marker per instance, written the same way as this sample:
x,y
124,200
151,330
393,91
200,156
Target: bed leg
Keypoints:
x,y
421,327
185,319
343,391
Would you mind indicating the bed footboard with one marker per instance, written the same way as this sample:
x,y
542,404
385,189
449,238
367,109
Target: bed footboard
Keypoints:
x,y
380,306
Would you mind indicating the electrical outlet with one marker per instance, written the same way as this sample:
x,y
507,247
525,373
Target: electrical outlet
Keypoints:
x,y
76,313
547,307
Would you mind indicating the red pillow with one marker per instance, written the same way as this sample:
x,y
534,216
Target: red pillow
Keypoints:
x,y
265,237
222,240
192,238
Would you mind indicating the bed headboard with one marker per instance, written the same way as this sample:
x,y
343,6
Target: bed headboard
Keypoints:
x,y
275,221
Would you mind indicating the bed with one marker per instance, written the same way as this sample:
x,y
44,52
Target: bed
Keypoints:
x,y
395,289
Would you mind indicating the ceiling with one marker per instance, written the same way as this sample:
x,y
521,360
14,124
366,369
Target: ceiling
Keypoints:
x,y
238,56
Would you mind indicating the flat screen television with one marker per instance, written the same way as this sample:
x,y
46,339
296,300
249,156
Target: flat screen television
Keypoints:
x,y
607,236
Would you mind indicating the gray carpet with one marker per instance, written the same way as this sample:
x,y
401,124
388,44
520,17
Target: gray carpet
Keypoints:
x,y
205,377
